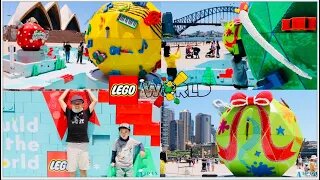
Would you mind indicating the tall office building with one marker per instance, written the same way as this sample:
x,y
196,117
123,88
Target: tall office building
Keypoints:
x,y
203,128
167,21
181,137
173,138
167,117
185,117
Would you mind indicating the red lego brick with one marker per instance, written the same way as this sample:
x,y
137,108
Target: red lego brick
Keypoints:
x,y
159,101
152,129
227,74
163,78
286,25
133,118
140,108
103,96
155,141
67,78
311,23
86,52
298,23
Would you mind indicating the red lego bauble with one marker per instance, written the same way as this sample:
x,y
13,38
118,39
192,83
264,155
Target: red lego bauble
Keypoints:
x,y
31,36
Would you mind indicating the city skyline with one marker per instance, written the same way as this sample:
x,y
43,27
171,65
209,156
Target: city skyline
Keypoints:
x,y
177,118
181,111
176,133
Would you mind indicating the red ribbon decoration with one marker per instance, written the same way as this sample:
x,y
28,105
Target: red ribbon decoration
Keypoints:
x,y
230,152
264,98
272,152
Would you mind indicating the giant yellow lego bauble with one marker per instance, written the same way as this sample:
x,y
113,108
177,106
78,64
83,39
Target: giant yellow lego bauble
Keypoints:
x,y
121,36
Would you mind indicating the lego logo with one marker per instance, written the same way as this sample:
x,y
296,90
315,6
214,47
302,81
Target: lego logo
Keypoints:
x,y
123,90
58,165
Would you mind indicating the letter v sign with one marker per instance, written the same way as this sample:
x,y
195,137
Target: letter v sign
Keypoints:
x,y
57,113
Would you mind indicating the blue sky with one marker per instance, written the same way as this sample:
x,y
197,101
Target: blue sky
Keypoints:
x,y
178,9
76,7
303,104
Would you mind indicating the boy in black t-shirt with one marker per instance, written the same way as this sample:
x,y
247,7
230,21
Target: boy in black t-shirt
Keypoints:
x,y
77,117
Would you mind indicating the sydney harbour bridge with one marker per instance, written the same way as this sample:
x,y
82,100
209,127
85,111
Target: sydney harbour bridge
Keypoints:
x,y
210,16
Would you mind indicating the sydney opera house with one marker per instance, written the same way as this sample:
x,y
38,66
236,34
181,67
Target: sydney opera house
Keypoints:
x,y
50,16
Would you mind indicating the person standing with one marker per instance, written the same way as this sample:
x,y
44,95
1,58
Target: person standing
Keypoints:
x,y
208,164
212,164
67,48
299,161
171,62
189,161
217,48
80,52
204,165
239,66
312,164
213,48
300,171
163,161
77,138
123,152
240,78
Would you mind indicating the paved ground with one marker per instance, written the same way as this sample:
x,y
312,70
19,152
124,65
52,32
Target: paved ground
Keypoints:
x,y
190,64
45,79
184,170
